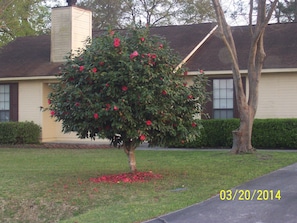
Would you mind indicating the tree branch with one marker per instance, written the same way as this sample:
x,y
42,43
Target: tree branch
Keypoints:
x,y
251,16
257,52
227,37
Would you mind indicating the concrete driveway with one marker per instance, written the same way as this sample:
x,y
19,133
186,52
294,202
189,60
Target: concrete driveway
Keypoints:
x,y
271,198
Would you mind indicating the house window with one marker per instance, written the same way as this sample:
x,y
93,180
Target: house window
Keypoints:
x,y
223,98
4,103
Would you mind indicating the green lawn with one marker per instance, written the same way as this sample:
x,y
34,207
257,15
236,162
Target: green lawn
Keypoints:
x,y
52,185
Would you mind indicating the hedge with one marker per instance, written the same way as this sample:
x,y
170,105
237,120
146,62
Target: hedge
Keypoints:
x,y
267,134
19,133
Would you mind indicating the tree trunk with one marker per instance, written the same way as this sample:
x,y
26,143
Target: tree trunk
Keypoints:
x,y
242,137
130,151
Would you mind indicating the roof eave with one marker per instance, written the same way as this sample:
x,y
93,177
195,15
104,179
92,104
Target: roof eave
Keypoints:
x,y
14,79
244,72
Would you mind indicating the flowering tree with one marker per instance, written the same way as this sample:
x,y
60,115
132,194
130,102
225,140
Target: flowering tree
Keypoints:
x,y
126,84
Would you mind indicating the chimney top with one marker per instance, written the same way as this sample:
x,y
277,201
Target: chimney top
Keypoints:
x,y
71,26
71,2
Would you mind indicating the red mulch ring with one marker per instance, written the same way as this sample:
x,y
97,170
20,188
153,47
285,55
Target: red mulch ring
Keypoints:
x,y
127,177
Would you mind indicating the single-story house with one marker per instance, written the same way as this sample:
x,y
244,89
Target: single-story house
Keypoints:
x,y
28,66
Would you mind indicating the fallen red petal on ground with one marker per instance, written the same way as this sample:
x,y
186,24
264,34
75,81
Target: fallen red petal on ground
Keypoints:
x,y
127,177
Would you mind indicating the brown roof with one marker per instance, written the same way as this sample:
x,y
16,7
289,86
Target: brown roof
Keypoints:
x,y
26,57
30,56
280,44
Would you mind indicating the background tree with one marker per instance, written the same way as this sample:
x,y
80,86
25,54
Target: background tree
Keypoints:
x,y
125,84
286,11
153,12
32,17
247,106
106,13
195,11
120,14
22,18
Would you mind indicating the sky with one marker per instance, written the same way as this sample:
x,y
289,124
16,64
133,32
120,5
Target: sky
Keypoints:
x,y
228,6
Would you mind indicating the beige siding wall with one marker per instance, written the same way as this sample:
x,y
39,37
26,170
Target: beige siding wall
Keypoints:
x,y
30,100
277,96
71,137
49,126
52,130
32,95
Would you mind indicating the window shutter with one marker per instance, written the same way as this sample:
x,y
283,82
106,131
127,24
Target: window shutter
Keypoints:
x,y
14,102
208,109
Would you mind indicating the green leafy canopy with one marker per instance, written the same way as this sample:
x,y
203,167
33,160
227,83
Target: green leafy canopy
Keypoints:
x,y
124,83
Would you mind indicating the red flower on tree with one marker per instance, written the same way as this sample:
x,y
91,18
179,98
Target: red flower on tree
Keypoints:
x,y
77,104
134,54
81,68
101,63
142,39
153,56
116,42
148,122
71,79
164,92
194,124
94,69
52,113
142,137
115,108
124,88
96,116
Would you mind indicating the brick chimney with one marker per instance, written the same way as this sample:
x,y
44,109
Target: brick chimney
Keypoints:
x,y
71,26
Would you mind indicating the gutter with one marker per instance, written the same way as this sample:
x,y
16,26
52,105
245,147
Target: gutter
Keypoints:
x,y
244,72
195,49
28,78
